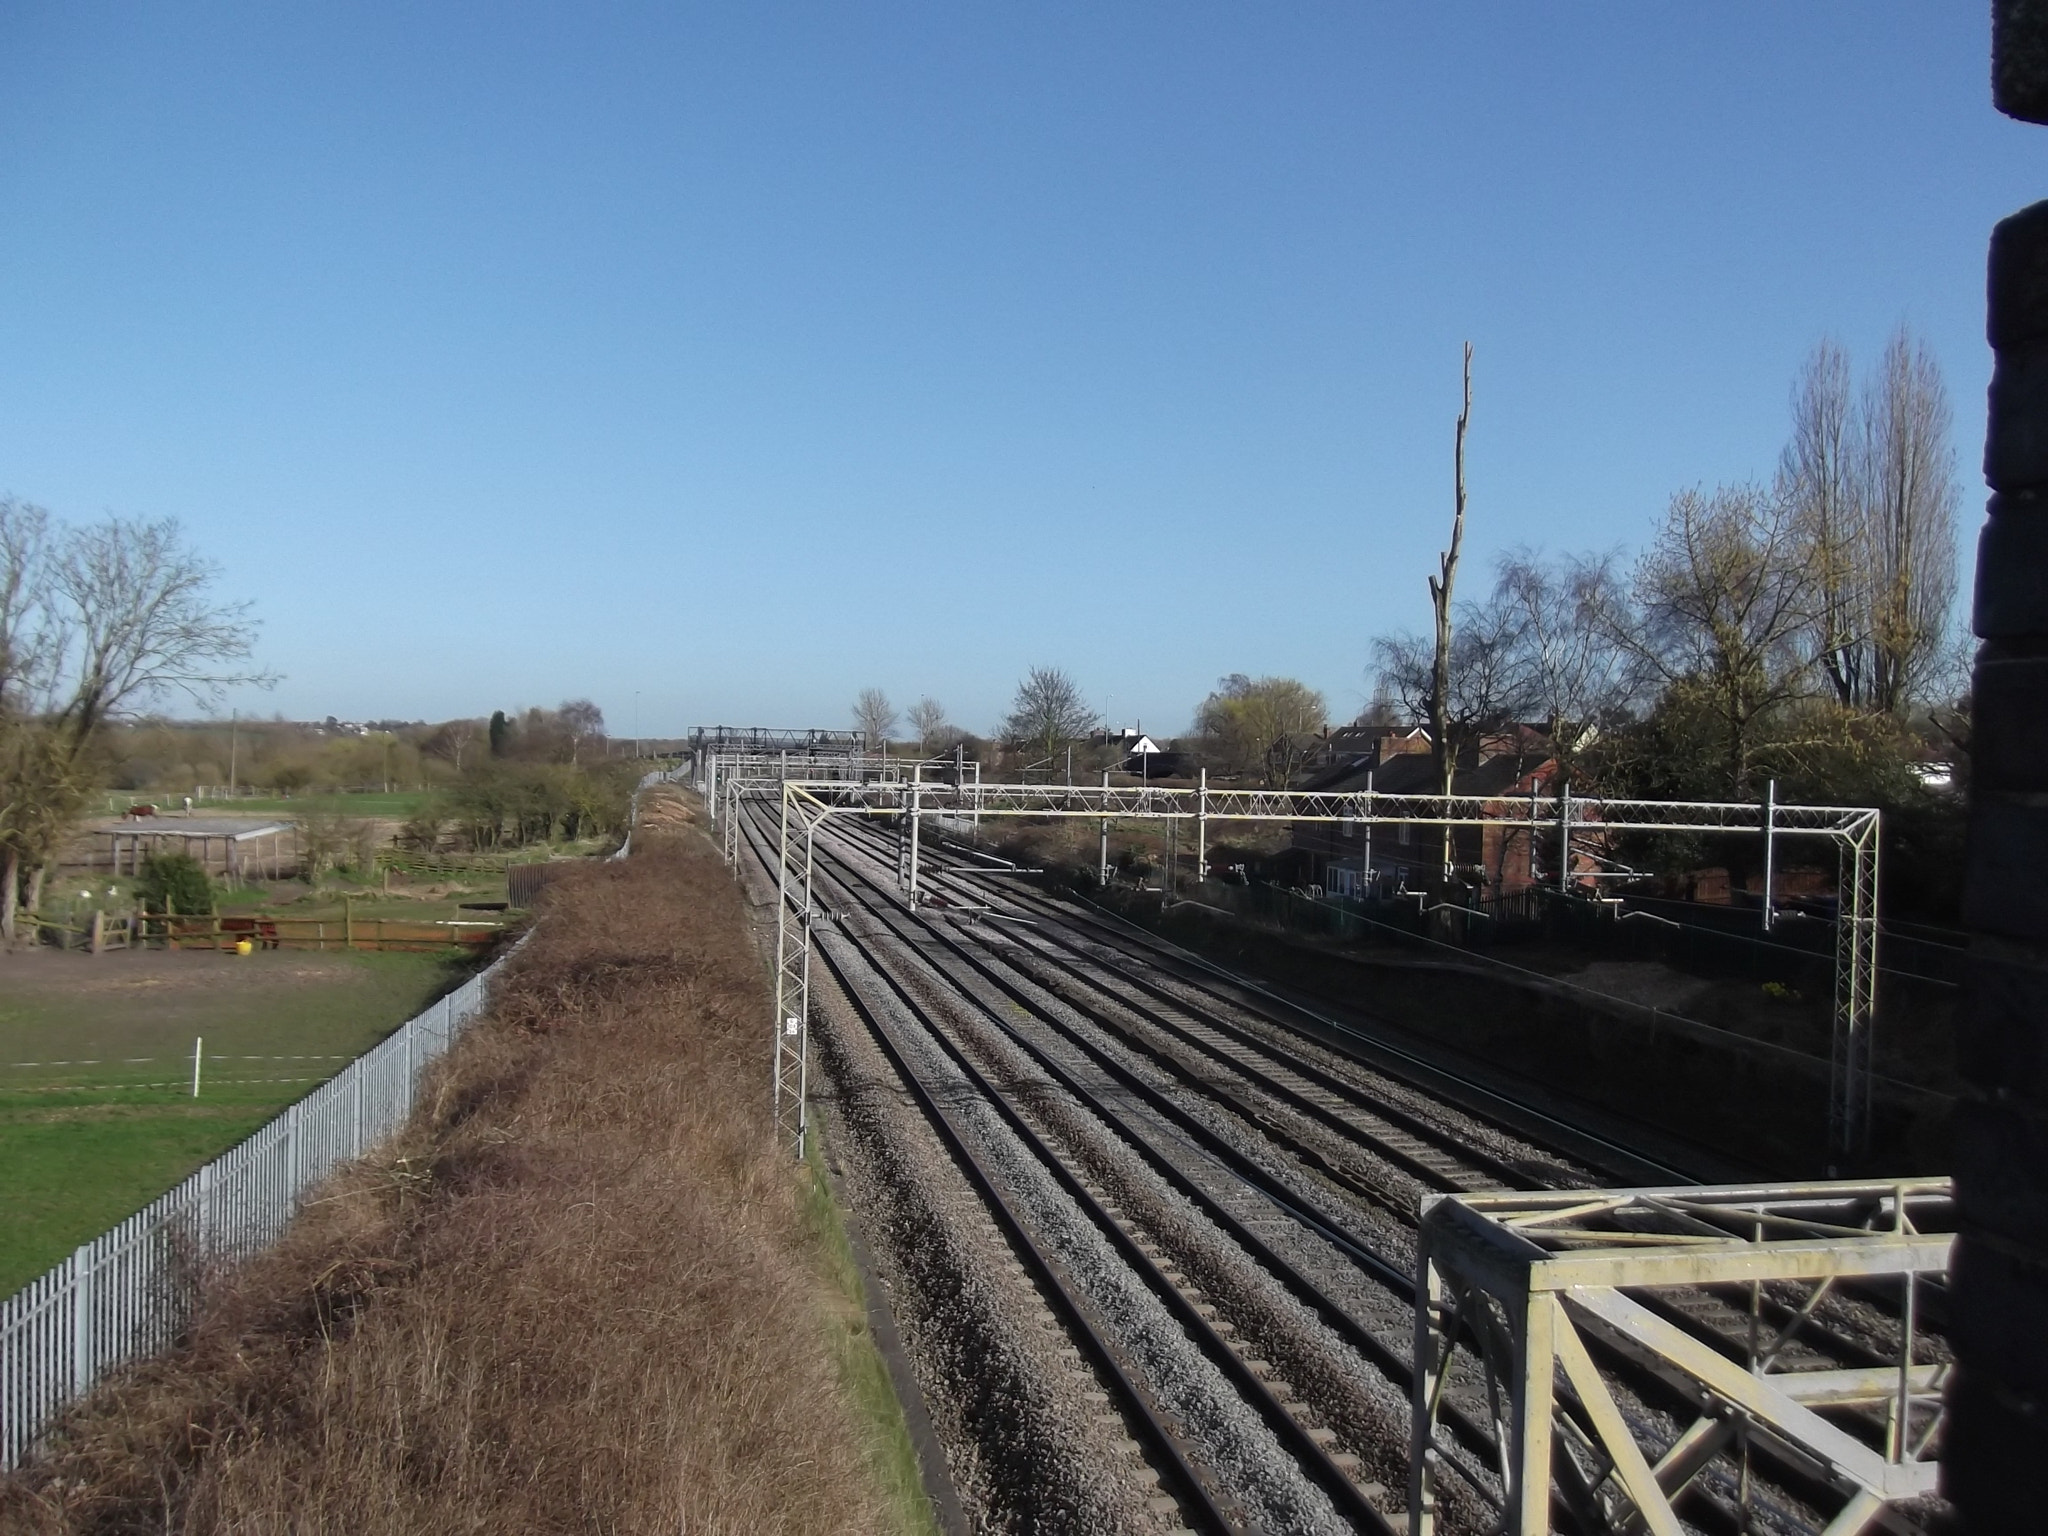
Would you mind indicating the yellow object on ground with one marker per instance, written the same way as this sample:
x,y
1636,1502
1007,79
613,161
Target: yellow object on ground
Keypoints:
x,y
244,947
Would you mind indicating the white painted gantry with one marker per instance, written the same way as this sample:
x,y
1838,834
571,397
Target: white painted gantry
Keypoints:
x,y
1574,821
1516,1294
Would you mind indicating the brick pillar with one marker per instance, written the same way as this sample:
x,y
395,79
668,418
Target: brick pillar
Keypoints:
x,y
1996,1466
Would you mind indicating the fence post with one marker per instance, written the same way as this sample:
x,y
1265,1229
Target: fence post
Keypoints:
x,y
355,1094
81,1319
206,1222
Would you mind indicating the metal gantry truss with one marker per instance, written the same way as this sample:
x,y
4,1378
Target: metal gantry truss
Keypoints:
x,y
875,786
795,845
1517,1293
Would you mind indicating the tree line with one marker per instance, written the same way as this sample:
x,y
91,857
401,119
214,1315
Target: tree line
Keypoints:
x,y
1799,628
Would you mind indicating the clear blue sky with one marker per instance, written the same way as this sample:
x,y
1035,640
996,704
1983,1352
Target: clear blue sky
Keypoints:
x,y
739,356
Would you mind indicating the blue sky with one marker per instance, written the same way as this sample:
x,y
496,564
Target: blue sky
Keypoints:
x,y
732,358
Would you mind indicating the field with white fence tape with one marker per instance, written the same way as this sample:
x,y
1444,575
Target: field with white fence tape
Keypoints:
x,y
128,1293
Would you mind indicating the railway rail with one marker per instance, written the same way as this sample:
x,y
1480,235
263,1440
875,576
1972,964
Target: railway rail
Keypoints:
x,y
1145,1129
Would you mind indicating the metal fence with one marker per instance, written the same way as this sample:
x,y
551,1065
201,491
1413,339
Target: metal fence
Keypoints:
x,y
129,1292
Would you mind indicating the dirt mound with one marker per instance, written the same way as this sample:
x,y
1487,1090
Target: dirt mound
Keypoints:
x,y
665,808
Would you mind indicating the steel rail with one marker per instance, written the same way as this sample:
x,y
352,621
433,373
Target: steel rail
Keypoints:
x,y
1315,1462
1377,1055
1933,1296
1395,1279
1206,1506
1317,1076
1699,1325
1471,1436
1127,938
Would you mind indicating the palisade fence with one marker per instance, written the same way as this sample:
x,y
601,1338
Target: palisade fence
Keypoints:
x,y
129,1292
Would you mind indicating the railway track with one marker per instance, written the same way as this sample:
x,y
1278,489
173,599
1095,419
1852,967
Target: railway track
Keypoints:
x,y
1230,1201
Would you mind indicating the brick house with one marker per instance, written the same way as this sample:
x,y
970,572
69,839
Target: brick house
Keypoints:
x,y
1504,767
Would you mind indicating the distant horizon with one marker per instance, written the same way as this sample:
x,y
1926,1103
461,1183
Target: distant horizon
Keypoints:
x,y
732,361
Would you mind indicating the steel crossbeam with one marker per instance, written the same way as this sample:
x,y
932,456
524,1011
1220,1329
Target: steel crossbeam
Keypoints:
x,y
1512,1289
1854,830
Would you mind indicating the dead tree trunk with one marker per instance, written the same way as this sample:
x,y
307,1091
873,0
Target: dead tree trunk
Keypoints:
x,y
10,884
1440,745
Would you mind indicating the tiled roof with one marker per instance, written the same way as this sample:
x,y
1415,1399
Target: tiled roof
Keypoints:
x,y
1414,773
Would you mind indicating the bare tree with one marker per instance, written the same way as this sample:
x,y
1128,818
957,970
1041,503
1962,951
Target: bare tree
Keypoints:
x,y
874,715
1874,486
1564,664
1911,497
29,628
1440,598
1724,602
928,719
1820,472
1262,725
1484,684
451,741
1048,709
92,621
580,721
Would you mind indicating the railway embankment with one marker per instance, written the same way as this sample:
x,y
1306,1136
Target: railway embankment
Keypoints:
x,y
582,1290
1744,1106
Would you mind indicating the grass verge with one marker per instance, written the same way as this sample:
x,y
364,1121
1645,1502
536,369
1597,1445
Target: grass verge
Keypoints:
x,y
863,1373
581,1291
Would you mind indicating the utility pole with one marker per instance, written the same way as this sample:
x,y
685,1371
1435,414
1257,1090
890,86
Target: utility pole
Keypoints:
x,y
1102,860
1172,857
234,731
1770,850
1370,888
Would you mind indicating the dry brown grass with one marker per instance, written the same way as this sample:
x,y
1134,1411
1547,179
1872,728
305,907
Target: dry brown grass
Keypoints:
x,y
580,1293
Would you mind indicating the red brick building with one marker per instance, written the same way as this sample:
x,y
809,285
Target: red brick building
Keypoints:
x,y
1507,766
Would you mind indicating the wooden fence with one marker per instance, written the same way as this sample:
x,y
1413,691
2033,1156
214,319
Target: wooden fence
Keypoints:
x,y
343,930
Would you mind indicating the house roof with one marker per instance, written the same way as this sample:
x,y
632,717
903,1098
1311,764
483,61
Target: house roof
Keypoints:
x,y
1414,773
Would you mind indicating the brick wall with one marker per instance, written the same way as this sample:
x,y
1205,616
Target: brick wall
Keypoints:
x,y
1996,1467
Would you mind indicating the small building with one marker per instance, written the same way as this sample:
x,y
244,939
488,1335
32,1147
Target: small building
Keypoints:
x,y
231,847
1146,759
1353,859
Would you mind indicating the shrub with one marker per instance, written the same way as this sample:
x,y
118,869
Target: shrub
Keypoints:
x,y
174,882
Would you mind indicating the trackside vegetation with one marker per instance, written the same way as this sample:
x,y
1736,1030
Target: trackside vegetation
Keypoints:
x,y
582,1290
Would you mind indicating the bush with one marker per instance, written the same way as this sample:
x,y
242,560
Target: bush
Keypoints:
x,y
174,882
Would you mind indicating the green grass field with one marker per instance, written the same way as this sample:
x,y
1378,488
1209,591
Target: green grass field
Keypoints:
x,y
96,1112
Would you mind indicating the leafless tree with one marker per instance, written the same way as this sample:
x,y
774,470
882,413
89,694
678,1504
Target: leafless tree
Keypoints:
x,y
928,719
1911,496
93,620
1563,663
581,722
451,741
1821,473
29,628
1441,586
1724,603
874,715
1262,725
1048,710
1484,686
1874,485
